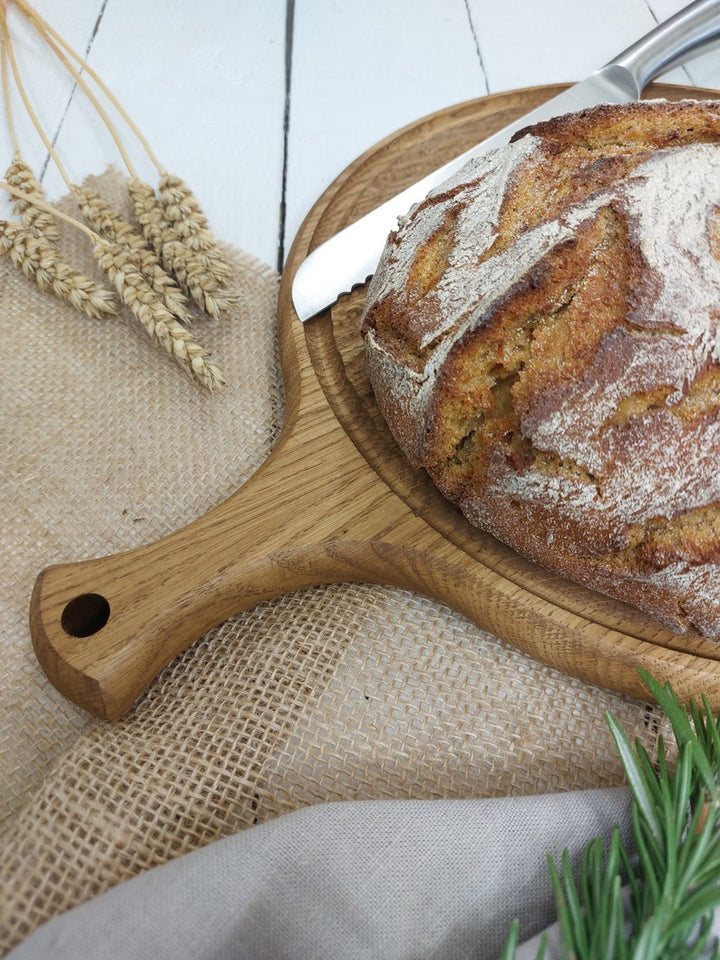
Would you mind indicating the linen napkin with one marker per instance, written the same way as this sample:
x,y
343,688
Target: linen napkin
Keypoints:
x,y
347,692
399,880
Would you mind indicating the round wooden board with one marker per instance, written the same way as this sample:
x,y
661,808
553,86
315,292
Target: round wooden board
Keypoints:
x,y
335,349
337,501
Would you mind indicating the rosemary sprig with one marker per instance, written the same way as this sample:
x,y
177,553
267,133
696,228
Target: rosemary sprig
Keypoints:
x,y
655,899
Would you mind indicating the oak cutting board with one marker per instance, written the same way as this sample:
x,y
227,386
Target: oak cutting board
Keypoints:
x,y
337,501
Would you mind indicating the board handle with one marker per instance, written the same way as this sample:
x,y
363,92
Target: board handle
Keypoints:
x,y
102,629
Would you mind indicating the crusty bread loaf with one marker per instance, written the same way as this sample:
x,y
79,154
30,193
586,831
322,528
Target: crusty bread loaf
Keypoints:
x,y
543,336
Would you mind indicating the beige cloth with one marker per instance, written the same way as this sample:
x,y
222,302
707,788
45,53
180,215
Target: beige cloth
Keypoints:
x,y
333,693
373,880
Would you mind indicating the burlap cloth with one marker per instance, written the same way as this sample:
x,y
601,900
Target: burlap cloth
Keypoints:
x,y
339,692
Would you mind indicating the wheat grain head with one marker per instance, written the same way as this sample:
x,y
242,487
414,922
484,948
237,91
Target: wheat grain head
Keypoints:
x,y
135,292
41,262
183,215
20,176
147,212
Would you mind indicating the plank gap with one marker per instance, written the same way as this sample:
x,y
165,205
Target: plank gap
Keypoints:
x,y
476,41
289,33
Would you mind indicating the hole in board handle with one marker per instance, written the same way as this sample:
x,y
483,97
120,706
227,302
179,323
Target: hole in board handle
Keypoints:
x,y
85,615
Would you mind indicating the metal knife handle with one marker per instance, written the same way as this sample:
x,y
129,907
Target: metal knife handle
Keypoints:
x,y
672,41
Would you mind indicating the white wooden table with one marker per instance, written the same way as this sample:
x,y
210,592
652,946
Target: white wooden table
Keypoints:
x,y
259,104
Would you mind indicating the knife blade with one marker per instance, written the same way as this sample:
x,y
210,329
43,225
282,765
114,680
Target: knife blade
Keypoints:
x,y
350,257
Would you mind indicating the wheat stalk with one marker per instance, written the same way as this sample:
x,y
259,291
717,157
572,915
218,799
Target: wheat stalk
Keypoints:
x,y
39,260
56,41
135,292
182,211
137,272
185,245
109,224
19,174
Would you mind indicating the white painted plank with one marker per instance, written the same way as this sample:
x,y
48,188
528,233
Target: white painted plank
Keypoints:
x,y
361,71
205,85
704,70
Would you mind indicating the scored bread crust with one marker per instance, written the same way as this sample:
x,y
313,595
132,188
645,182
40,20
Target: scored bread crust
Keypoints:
x,y
542,335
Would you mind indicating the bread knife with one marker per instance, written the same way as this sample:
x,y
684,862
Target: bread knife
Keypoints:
x,y
350,257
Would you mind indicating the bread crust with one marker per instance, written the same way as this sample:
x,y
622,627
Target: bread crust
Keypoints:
x,y
543,337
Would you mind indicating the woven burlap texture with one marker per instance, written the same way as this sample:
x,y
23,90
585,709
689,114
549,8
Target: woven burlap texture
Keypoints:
x,y
338,692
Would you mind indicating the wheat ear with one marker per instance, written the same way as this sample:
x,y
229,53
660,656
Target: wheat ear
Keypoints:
x,y
135,292
185,218
40,261
192,269
19,175
108,223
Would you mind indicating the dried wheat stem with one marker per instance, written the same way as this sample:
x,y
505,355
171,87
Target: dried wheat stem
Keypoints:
x,y
4,39
193,269
26,101
48,33
40,261
111,226
80,81
118,263
185,245
44,205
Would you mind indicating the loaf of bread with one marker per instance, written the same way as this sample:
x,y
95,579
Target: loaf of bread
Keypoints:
x,y
542,335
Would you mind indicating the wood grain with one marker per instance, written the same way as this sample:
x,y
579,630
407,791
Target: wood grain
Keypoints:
x,y
337,501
